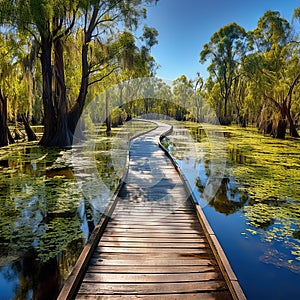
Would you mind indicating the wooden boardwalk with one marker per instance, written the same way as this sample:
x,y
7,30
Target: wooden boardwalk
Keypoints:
x,y
157,243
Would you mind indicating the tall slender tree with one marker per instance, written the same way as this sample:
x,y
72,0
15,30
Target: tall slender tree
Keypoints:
x,y
225,50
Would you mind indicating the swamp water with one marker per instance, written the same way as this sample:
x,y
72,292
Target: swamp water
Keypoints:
x,y
50,201
256,210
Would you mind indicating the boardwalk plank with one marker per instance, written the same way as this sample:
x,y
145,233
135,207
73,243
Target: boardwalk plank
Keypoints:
x,y
152,250
157,235
157,245
187,296
150,278
170,261
180,242
151,288
169,230
175,226
137,269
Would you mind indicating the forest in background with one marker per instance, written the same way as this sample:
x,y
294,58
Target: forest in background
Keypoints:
x,y
57,56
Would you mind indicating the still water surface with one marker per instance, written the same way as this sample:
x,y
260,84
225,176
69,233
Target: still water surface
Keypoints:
x,y
256,210
50,201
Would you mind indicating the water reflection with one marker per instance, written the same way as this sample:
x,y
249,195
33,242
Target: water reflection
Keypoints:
x,y
49,205
261,184
229,199
39,226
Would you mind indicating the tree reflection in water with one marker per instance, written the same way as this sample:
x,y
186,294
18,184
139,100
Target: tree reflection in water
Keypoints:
x,y
228,199
260,183
50,201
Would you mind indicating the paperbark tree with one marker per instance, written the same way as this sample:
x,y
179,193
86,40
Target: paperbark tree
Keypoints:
x,y
274,66
50,23
225,50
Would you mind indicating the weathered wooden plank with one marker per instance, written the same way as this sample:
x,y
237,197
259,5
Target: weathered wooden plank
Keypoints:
x,y
138,239
160,222
157,235
176,226
162,256
157,209
144,269
224,295
158,218
173,230
151,250
153,261
188,208
150,278
163,211
156,245
151,288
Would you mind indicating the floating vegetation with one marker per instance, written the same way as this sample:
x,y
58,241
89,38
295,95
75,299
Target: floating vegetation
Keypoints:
x,y
261,180
50,201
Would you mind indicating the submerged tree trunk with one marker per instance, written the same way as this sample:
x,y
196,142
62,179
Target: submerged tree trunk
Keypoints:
x,y
30,133
3,120
107,115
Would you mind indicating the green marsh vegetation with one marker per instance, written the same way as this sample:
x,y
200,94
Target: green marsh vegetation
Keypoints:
x,y
269,170
48,206
261,180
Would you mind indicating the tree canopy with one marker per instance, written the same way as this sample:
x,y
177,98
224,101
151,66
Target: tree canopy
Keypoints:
x,y
90,28
58,55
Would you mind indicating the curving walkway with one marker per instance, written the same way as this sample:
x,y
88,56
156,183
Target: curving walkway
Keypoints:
x,y
154,246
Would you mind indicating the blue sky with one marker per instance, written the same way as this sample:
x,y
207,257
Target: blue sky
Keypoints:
x,y
184,26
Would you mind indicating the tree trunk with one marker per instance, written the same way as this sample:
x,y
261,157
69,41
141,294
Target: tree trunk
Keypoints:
x,y
74,114
59,122
30,133
3,120
49,113
107,115
63,137
293,129
280,130
10,137
56,126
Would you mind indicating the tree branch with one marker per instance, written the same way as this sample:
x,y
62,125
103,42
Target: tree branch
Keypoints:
x,y
103,77
289,94
267,97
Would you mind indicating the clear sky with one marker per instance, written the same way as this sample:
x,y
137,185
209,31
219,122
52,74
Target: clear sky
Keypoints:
x,y
184,26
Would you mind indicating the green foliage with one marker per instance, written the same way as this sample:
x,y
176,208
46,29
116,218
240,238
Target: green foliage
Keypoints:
x,y
296,14
118,117
253,76
226,50
79,44
271,30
